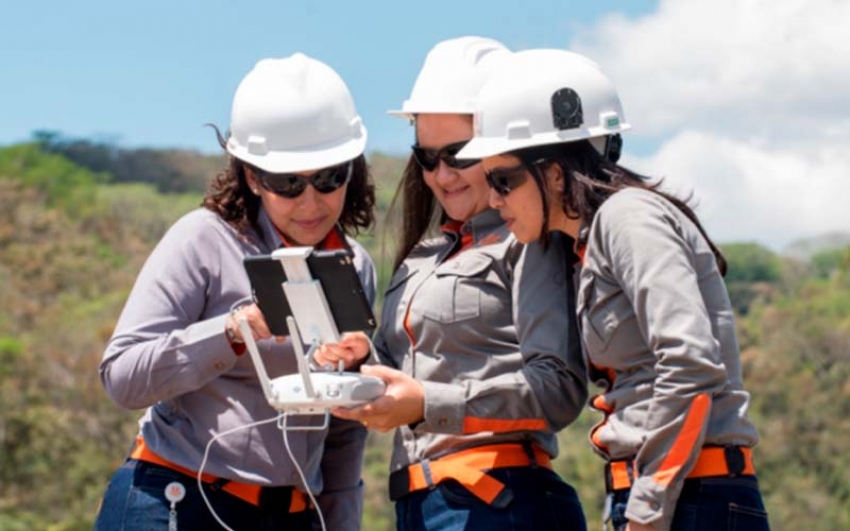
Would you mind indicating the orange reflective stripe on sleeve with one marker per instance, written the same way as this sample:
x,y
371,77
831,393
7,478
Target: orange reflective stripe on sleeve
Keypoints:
x,y
685,442
599,403
594,437
475,425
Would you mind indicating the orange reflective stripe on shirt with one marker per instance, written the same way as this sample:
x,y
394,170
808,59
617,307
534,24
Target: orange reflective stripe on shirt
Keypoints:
x,y
685,442
475,425
408,329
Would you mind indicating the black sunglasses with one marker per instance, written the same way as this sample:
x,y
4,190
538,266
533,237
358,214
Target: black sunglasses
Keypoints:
x,y
291,185
429,158
505,180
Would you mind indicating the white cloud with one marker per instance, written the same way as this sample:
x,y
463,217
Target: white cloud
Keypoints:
x,y
748,191
748,101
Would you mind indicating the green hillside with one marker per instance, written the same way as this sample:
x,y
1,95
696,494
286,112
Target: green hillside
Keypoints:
x,y
77,220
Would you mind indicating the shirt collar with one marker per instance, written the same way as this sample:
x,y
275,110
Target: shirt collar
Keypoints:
x,y
483,228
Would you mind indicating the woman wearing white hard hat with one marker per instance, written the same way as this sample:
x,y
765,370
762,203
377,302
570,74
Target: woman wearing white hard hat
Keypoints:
x,y
480,372
296,175
656,320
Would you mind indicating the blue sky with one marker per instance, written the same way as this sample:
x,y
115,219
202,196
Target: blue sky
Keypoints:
x,y
151,73
742,102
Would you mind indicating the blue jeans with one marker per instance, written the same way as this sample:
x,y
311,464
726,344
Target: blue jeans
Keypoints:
x,y
541,500
135,501
709,504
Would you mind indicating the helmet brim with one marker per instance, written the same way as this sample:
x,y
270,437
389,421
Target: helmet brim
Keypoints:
x,y
314,158
481,147
410,113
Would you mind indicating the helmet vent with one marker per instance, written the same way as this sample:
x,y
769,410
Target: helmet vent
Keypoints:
x,y
566,109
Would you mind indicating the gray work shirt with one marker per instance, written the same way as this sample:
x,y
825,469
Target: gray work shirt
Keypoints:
x,y
169,354
490,333
655,316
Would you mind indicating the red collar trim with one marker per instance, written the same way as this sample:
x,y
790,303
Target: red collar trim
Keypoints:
x,y
454,226
581,252
334,240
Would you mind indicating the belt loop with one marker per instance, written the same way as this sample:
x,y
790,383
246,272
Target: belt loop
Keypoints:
x,y
529,451
734,460
426,471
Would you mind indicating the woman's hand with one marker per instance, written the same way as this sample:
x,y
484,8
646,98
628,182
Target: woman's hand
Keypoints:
x,y
402,403
634,526
256,321
351,349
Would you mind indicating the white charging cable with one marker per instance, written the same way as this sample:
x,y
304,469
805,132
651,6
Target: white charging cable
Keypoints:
x,y
298,469
206,456
301,473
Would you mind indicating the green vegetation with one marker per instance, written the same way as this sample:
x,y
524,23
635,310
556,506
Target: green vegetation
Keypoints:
x,y
77,219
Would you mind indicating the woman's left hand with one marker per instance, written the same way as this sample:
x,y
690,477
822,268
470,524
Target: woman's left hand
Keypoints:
x,y
402,403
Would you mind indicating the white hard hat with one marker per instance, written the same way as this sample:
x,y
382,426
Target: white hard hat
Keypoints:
x,y
453,72
543,96
294,114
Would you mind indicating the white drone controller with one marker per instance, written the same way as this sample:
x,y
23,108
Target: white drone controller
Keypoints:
x,y
309,393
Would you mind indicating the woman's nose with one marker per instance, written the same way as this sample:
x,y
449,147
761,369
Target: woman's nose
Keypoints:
x,y
495,200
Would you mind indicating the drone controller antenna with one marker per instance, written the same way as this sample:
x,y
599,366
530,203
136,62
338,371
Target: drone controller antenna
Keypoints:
x,y
300,358
251,345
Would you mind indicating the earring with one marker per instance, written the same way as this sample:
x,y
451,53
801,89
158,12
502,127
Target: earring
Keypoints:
x,y
256,191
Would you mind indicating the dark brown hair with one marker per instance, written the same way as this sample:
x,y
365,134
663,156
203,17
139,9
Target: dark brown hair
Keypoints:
x,y
229,196
590,179
420,210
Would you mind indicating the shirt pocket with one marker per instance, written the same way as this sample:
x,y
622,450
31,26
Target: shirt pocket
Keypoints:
x,y
603,308
455,292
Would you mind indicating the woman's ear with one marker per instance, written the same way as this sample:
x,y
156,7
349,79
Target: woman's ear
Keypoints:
x,y
252,181
555,178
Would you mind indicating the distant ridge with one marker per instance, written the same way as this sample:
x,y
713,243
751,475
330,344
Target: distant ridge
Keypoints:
x,y
805,248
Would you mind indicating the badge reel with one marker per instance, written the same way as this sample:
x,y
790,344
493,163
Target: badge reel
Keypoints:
x,y
174,493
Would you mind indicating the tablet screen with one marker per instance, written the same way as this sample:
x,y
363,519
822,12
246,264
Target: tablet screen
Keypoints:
x,y
334,270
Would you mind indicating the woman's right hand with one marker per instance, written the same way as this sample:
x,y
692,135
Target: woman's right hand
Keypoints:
x,y
252,314
351,349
